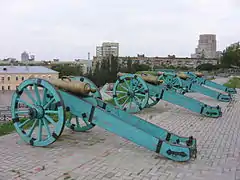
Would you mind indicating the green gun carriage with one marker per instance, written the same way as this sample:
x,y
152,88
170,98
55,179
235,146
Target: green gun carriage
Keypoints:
x,y
52,104
199,78
134,92
182,83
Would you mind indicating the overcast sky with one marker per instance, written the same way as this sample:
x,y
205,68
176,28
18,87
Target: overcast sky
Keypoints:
x,y
69,29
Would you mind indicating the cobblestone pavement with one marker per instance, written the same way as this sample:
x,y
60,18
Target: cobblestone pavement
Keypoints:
x,y
98,154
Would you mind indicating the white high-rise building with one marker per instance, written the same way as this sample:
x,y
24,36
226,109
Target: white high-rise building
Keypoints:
x,y
207,47
99,51
107,49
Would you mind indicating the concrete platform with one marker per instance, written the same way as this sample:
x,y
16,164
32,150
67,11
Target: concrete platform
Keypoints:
x,y
98,154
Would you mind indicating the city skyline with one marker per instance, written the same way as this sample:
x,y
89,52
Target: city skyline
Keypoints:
x,y
116,53
74,28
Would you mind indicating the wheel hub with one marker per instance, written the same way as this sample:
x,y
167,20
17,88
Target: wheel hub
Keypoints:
x,y
131,93
36,112
169,86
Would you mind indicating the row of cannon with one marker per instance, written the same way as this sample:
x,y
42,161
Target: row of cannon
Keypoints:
x,y
76,102
134,92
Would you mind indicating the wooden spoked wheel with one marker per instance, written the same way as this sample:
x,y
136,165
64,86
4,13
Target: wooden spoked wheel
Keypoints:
x,y
36,122
130,93
81,124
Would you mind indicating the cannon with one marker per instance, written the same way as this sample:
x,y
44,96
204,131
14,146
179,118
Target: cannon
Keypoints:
x,y
182,83
198,78
75,102
134,92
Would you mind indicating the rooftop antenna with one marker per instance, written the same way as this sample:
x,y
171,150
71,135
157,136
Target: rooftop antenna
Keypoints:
x,y
89,61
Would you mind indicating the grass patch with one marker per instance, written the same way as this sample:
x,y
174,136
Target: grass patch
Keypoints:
x,y
233,83
6,128
110,101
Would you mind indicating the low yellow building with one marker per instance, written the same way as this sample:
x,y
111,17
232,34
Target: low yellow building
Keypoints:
x,y
12,76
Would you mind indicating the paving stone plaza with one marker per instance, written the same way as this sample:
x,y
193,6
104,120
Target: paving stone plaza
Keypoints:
x,y
98,154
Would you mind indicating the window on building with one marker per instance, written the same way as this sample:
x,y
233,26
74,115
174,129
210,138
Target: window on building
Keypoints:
x,y
16,78
22,78
2,78
9,78
9,88
2,87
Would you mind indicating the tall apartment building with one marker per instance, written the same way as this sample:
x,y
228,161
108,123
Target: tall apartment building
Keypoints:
x,y
24,56
99,51
107,49
207,47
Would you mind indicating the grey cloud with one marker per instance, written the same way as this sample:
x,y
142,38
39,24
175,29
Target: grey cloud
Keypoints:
x,y
70,29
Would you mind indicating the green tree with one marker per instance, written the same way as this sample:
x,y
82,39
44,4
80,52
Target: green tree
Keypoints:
x,y
68,69
206,67
110,66
114,66
231,55
129,64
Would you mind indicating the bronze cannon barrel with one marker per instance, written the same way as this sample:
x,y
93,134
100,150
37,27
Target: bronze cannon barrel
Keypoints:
x,y
148,78
73,86
199,74
182,76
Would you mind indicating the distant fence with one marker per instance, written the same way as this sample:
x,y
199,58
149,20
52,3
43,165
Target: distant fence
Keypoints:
x,y
5,113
